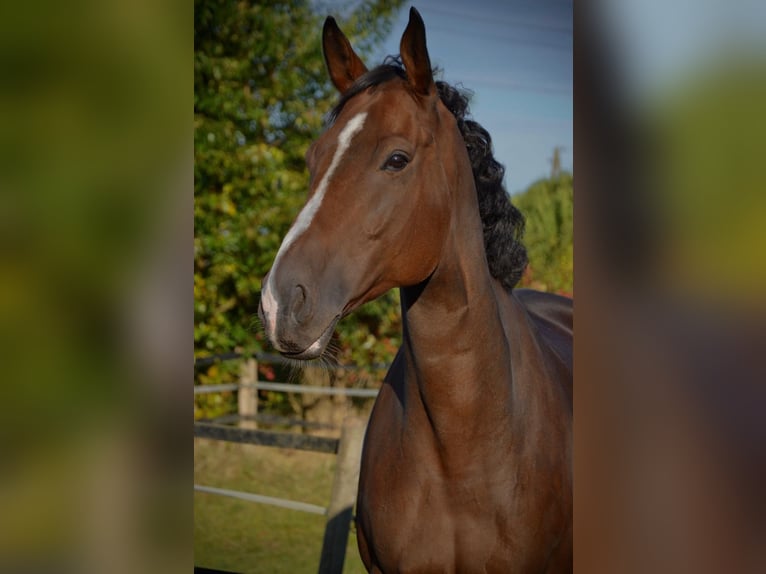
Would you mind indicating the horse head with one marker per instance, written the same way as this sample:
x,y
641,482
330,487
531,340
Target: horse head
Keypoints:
x,y
379,206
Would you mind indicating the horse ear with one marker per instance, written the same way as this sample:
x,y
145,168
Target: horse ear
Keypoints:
x,y
415,54
342,62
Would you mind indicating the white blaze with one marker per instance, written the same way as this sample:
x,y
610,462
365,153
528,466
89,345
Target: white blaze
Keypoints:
x,y
306,216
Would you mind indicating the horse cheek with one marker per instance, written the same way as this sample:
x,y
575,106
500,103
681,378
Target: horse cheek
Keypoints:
x,y
419,254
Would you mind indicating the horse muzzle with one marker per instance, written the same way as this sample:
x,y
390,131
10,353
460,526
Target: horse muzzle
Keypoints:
x,y
295,321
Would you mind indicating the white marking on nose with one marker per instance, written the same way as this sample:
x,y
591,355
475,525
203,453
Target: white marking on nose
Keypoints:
x,y
305,217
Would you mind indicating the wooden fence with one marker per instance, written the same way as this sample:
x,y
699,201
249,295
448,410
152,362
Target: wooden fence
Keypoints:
x,y
348,449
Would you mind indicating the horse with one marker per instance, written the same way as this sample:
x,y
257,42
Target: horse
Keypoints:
x,y
466,463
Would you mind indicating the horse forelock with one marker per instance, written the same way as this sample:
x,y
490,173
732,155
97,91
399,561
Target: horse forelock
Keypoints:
x,y
502,222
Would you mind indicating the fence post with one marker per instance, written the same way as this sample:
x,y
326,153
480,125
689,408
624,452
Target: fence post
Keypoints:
x,y
247,396
344,488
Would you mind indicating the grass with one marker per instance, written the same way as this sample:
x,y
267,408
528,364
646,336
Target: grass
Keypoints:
x,y
246,537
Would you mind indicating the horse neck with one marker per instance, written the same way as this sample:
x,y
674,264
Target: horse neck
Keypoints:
x,y
458,362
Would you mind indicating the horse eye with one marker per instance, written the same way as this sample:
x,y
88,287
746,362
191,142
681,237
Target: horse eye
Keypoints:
x,y
396,162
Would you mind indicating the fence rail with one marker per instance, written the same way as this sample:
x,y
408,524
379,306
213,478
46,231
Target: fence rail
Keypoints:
x,y
263,499
269,419
205,389
286,388
266,438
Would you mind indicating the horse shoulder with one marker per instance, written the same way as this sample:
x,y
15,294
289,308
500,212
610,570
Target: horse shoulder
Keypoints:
x,y
551,319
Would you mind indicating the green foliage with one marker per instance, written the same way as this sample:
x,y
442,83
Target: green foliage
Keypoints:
x,y
261,91
708,199
548,207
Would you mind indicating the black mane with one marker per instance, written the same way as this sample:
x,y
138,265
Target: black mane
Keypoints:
x,y
502,222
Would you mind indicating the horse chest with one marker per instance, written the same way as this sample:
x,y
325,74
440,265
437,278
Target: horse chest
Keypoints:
x,y
413,524
413,516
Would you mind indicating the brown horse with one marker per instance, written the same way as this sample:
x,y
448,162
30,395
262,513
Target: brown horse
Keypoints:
x,y
467,459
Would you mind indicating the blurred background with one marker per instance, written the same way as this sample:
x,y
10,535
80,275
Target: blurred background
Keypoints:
x,y
670,383
96,222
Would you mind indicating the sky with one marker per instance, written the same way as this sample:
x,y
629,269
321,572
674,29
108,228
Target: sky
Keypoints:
x,y
516,58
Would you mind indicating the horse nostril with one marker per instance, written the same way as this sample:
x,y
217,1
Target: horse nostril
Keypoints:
x,y
300,309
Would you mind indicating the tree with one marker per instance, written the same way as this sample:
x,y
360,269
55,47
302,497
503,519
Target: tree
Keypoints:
x,y
547,205
261,92
556,161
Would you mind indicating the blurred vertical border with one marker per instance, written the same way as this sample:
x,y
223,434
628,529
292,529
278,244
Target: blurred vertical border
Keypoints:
x,y
670,271
95,295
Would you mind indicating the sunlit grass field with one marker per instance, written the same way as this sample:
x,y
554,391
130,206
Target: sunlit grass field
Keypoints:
x,y
246,537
